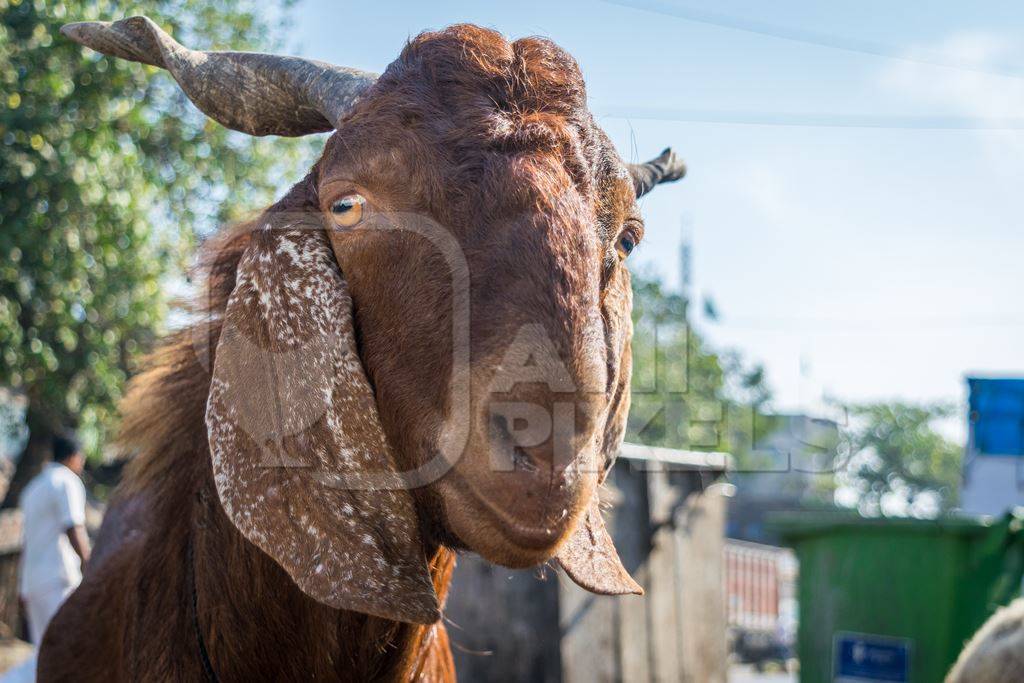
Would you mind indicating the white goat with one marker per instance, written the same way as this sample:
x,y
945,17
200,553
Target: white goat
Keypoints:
x,y
996,652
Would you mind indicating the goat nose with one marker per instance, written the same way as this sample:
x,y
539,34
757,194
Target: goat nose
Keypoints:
x,y
537,429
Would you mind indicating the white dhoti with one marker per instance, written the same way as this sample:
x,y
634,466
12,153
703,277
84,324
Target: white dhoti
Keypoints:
x,y
41,606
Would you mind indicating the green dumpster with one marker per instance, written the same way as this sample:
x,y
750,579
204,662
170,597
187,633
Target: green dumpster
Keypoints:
x,y
895,599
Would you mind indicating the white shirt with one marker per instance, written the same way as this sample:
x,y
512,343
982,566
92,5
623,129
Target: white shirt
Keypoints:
x,y
51,503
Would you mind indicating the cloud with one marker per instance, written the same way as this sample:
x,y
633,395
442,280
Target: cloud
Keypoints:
x,y
983,96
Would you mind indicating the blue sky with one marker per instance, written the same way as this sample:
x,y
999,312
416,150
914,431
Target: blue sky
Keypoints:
x,y
858,263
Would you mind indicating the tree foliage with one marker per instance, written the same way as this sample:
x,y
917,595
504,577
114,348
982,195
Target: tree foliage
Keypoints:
x,y
107,178
889,459
686,394
897,463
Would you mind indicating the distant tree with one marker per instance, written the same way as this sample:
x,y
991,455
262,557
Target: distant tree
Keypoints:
x,y
107,178
893,461
685,393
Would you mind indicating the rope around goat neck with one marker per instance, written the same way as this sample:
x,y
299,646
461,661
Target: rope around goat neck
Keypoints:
x,y
204,656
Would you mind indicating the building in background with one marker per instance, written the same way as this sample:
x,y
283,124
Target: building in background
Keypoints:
x,y
993,477
790,470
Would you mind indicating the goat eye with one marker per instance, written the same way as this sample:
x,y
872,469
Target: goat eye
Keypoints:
x,y
347,211
626,243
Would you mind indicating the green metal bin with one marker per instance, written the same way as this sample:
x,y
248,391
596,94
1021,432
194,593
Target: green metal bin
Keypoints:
x,y
896,599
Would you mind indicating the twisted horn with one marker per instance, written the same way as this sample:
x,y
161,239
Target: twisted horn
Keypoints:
x,y
255,93
664,168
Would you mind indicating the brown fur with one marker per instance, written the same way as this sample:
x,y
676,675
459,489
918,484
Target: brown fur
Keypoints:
x,y
492,140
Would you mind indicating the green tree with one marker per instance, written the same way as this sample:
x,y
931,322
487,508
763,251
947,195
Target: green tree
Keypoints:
x,y
685,393
896,462
108,176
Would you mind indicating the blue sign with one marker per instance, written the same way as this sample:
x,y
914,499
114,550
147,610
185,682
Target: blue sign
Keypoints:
x,y
997,415
861,658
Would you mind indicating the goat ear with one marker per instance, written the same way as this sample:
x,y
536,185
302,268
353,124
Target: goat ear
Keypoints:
x,y
291,416
590,559
589,556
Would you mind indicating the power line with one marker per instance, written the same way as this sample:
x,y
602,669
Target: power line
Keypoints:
x,y
808,37
813,120
874,326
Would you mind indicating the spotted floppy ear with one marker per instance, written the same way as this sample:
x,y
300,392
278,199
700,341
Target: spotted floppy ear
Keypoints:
x,y
295,439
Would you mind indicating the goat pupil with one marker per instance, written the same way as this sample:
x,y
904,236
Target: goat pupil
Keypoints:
x,y
626,244
343,205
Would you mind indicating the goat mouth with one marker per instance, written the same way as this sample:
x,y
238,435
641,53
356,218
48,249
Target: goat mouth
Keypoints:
x,y
521,529
530,536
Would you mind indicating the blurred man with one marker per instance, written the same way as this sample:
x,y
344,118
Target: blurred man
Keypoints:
x,y
55,543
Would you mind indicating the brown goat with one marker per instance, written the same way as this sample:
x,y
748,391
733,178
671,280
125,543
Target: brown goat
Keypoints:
x,y
422,348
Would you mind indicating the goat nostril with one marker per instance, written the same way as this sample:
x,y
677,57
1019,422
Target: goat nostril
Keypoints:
x,y
505,446
500,427
522,460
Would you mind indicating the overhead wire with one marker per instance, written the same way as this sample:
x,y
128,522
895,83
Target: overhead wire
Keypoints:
x,y
812,120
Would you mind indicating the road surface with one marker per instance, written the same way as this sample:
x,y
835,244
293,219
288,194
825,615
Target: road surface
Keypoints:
x,y
746,674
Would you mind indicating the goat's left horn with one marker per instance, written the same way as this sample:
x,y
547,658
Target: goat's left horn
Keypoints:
x,y
259,94
664,168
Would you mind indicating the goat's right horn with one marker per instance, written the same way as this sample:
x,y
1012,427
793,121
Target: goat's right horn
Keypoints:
x,y
255,93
